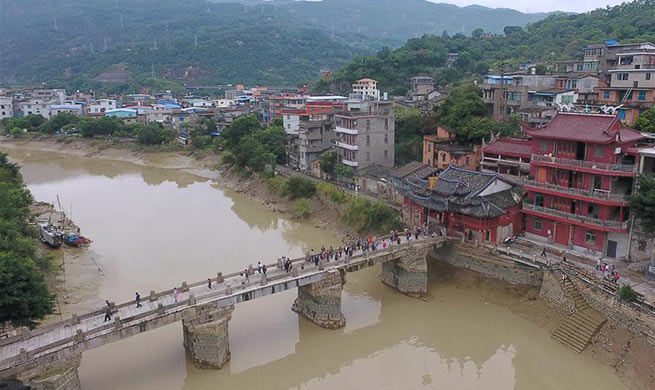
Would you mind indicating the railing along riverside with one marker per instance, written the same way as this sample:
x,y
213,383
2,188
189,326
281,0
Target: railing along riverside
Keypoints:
x,y
602,195
192,300
627,168
575,217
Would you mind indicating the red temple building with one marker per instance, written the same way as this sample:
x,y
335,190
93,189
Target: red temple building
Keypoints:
x,y
583,166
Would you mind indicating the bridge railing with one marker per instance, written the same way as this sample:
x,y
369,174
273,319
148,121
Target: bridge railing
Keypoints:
x,y
181,304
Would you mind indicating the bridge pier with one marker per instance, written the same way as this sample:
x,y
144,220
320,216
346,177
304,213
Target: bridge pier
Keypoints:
x,y
408,274
58,375
320,302
206,338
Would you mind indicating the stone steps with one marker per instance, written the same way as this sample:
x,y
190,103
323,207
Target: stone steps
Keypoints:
x,y
577,330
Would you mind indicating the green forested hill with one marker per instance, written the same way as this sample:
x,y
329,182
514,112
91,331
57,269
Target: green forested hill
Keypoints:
x,y
557,37
121,44
392,22
192,40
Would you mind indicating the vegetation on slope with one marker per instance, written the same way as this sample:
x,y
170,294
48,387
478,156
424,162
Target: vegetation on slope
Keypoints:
x,y
558,37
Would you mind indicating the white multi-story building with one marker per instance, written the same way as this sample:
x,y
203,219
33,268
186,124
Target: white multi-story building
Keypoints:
x,y
102,105
368,88
6,107
35,107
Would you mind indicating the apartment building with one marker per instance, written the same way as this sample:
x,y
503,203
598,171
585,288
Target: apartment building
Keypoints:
x,y
6,107
365,133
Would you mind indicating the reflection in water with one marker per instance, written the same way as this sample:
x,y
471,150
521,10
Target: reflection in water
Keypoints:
x,y
155,228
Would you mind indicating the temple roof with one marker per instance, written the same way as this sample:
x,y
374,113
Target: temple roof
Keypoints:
x,y
583,127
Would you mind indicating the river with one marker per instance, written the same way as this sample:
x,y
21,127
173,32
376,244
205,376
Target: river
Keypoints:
x,y
154,228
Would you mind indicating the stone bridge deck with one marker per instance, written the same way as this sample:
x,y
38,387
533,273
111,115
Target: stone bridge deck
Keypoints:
x,y
50,345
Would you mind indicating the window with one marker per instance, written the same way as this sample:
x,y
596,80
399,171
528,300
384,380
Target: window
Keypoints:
x,y
543,145
386,141
606,95
539,200
368,140
429,145
647,76
536,224
443,156
621,114
622,76
386,154
468,160
642,95
590,238
598,151
368,124
386,124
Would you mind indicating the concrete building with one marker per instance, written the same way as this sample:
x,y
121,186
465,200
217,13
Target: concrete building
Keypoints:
x,y
368,88
34,107
315,136
422,85
6,107
365,133
102,105
584,166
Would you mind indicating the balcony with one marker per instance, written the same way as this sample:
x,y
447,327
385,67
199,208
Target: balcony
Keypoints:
x,y
603,196
346,146
576,219
581,165
350,163
345,130
493,161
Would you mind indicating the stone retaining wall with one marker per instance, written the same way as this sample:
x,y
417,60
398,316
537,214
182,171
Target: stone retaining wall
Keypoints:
x,y
637,321
495,270
553,293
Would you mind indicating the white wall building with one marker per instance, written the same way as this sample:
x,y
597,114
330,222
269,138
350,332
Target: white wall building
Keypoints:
x,y
367,88
6,107
102,105
35,107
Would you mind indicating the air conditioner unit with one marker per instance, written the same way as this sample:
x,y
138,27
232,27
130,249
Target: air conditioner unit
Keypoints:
x,y
617,150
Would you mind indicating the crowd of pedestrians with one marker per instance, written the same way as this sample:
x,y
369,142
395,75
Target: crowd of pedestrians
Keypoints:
x,y
369,244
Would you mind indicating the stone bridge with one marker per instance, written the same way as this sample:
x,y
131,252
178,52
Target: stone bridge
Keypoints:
x,y
48,357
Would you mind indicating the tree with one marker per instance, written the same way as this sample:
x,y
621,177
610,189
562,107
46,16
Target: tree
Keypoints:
x,y
57,122
274,140
251,153
646,121
328,161
300,187
509,30
24,295
241,127
460,106
102,126
344,170
642,207
154,134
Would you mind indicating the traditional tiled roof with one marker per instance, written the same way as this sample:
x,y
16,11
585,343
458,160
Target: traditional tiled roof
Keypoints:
x,y
458,190
510,147
594,128
406,169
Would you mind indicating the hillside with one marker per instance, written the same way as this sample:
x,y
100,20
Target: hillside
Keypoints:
x,y
126,45
74,41
394,21
558,37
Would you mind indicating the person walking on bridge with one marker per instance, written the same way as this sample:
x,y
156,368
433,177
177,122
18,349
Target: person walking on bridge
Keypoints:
x,y
209,283
107,312
175,294
138,300
543,252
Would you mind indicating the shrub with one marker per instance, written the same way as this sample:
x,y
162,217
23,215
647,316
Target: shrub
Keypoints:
x,y
300,187
277,185
228,158
627,293
16,132
302,208
362,215
154,134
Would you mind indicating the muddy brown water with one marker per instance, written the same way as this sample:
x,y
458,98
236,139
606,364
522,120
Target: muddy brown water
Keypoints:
x,y
154,228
